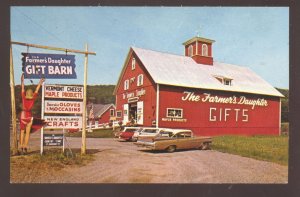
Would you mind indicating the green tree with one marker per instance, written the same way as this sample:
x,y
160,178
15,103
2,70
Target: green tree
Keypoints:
x,y
284,104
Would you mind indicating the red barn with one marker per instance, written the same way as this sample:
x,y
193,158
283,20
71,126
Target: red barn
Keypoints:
x,y
195,92
103,113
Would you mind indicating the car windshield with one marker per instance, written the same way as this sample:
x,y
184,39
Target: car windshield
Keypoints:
x,y
183,135
130,130
150,130
139,130
166,134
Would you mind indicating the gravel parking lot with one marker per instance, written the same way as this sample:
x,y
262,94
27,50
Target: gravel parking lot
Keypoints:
x,y
123,162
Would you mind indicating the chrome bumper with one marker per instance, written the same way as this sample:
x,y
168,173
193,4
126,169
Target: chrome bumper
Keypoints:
x,y
150,145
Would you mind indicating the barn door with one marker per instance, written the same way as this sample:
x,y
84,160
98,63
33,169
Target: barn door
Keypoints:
x,y
125,116
140,111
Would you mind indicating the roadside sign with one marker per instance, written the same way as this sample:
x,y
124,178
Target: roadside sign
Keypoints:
x,y
53,139
62,91
63,107
49,66
63,122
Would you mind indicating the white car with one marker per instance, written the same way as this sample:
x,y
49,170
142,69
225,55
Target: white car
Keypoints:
x,y
180,139
140,131
153,132
136,134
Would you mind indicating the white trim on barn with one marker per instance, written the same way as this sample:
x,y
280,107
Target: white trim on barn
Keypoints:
x,y
125,113
157,105
279,116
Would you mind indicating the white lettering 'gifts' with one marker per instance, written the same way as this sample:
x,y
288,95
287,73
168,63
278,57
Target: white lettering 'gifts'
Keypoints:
x,y
225,114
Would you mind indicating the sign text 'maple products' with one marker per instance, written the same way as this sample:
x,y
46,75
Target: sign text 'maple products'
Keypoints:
x,y
66,92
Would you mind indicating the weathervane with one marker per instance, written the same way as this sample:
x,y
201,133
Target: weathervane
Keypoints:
x,y
198,31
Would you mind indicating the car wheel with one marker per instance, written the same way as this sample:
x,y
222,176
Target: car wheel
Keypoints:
x,y
171,149
205,146
200,147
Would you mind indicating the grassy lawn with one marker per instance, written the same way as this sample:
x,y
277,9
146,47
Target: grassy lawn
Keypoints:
x,y
27,168
267,148
97,133
54,158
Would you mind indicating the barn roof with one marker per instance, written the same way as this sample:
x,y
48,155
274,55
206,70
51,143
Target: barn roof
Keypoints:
x,y
99,109
198,39
178,70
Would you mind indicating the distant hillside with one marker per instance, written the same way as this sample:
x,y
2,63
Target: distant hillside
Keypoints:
x,y
101,94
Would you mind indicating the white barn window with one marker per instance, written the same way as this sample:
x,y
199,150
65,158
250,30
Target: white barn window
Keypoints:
x,y
133,64
204,50
174,113
126,84
227,82
112,112
119,114
140,80
190,50
224,80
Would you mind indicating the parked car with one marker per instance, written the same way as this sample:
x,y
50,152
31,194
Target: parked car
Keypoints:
x,y
127,133
180,139
136,134
117,133
150,133
145,131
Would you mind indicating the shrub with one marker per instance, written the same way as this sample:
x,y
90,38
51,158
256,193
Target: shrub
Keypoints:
x,y
285,129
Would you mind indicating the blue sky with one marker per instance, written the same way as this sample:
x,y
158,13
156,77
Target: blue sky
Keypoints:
x,y
254,37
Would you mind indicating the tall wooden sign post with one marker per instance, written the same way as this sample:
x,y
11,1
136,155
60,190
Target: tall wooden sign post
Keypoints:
x,y
86,53
13,106
83,144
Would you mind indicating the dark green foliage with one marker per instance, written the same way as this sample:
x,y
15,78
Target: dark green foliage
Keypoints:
x,y
284,104
284,128
101,94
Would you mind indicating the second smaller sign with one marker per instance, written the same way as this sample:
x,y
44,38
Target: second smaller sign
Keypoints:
x,y
62,91
63,122
53,139
63,107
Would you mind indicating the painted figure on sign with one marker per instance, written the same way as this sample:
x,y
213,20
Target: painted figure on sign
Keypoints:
x,y
27,122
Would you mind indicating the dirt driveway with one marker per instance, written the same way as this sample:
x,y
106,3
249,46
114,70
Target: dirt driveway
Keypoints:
x,y
123,162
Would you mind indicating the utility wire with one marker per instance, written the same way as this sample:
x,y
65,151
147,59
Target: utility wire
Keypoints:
x,y
53,35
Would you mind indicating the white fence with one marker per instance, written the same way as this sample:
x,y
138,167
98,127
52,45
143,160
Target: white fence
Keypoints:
x,y
90,127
